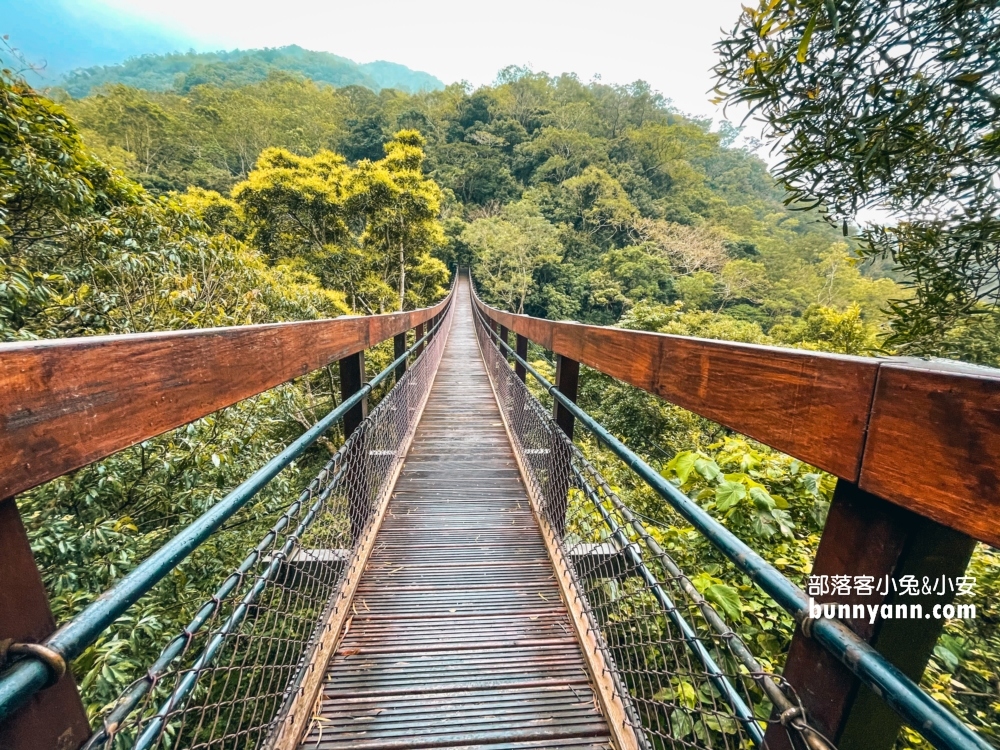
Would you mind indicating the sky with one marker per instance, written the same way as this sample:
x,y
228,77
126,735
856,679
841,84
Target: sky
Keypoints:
x,y
667,43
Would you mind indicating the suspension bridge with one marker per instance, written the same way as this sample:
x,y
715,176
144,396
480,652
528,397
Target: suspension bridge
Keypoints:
x,y
460,575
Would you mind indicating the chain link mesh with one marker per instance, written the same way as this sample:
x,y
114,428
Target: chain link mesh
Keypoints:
x,y
685,678
226,680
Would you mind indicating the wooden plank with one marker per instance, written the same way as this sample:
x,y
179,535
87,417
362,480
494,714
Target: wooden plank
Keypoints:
x,y
69,402
54,717
300,711
934,444
813,406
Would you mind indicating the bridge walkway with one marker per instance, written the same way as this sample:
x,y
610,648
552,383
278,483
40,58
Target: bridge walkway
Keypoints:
x,y
458,636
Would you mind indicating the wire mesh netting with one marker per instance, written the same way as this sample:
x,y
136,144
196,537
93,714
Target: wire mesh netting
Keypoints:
x,y
684,677
228,679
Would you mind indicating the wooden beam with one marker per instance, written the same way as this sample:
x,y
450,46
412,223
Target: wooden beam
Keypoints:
x,y
418,333
66,403
352,379
398,350
865,420
568,383
54,717
934,444
813,406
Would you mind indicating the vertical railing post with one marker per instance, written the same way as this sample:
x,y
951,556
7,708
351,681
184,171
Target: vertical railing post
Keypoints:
x,y
352,380
504,337
521,347
418,334
567,381
398,349
54,717
865,535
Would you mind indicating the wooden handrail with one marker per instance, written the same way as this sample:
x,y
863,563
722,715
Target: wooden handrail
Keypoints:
x,y
923,435
65,403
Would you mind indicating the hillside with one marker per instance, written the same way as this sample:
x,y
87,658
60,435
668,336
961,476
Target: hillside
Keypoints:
x,y
182,71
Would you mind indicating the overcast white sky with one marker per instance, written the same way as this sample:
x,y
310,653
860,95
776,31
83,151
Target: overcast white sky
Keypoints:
x,y
668,43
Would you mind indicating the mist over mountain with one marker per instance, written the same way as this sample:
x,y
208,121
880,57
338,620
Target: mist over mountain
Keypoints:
x,y
57,36
81,46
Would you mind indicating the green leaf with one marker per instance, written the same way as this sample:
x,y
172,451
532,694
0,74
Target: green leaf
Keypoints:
x,y
727,599
762,498
948,657
728,494
804,44
686,694
681,724
708,469
682,464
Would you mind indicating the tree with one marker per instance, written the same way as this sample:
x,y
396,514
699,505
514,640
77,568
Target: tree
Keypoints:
x,y
297,204
888,104
508,249
400,207
359,229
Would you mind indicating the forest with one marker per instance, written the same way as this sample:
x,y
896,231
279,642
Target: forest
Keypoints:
x,y
184,71
238,191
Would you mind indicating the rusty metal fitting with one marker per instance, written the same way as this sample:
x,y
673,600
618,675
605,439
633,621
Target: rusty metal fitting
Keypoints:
x,y
52,659
791,714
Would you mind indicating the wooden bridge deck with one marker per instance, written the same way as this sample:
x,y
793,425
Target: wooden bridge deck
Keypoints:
x,y
459,637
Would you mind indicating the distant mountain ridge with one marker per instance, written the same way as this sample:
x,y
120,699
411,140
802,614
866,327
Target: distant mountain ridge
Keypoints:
x,y
182,71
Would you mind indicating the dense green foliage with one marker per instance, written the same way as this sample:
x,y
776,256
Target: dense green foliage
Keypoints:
x,y
891,105
84,250
574,201
184,71
569,200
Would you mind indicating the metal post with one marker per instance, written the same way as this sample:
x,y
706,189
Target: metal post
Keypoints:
x,y
398,348
567,381
54,717
521,347
865,535
352,379
418,334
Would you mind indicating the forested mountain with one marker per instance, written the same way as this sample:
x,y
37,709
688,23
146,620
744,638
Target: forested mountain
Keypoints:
x,y
224,199
184,71
573,200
